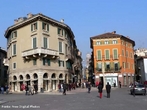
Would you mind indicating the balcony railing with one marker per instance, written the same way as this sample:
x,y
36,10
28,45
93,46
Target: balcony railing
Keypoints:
x,y
40,51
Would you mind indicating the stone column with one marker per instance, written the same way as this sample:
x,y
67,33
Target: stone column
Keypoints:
x,y
40,81
57,82
49,85
18,86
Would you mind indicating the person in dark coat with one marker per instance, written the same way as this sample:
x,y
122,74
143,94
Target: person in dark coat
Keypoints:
x,y
89,87
108,89
100,89
64,88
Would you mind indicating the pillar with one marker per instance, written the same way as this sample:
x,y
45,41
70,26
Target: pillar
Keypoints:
x,y
40,81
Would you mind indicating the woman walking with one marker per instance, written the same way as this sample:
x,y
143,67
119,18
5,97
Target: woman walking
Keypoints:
x,y
100,89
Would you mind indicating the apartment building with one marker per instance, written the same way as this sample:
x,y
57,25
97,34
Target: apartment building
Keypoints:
x,y
3,68
113,58
42,51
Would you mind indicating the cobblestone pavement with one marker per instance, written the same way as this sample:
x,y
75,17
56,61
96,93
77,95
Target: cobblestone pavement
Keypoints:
x,y
77,99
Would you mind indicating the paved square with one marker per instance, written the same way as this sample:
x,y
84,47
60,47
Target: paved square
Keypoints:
x,y
75,100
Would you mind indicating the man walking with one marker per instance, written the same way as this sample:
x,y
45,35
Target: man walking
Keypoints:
x,y
89,87
108,89
64,88
100,89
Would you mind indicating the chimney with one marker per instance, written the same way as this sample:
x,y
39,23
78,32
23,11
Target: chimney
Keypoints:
x,y
20,19
29,15
114,32
62,21
15,21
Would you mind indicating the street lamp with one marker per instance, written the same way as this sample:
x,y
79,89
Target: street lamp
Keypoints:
x,y
103,71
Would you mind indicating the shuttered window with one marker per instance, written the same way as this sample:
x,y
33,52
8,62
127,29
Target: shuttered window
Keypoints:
x,y
46,61
60,47
45,42
107,55
34,42
115,54
14,49
99,56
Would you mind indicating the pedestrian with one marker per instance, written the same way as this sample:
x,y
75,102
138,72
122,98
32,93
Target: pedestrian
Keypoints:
x,y
26,89
119,84
36,88
2,90
108,89
100,89
64,88
133,91
89,87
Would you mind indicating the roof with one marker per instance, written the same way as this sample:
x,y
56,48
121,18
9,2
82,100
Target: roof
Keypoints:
x,y
111,35
32,19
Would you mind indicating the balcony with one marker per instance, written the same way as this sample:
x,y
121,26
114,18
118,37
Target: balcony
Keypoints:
x,y
70,57
40,51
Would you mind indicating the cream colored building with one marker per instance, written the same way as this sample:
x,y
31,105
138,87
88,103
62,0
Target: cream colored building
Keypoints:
x,y
40,50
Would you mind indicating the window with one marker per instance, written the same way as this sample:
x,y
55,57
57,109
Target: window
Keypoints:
x,y
60,47
34,61
34,26
14,34
98,43
106,42
114,41
68,65
46,61
107,66
99,56
45,42
66,34
115,54
60,31
34,42
61,63
13,49
116,66
122,52
14,65
66,47
99,66
45,26
107,55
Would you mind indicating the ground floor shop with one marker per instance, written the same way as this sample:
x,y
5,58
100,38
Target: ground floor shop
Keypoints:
x,y
46,81
115,78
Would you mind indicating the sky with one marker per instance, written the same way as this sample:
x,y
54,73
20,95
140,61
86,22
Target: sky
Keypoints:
x,y
86,18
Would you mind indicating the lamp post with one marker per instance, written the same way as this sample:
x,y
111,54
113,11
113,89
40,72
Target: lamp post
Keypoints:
x,y
103,71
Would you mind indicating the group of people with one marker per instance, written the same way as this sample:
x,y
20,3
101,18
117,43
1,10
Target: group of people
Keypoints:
x,y
100,88
4,88
31,90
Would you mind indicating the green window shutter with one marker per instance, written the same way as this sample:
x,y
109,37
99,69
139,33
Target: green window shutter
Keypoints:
x,y
118,65
62,32
99,55
14,49
112,65
97,65
36,25
45,42
48,62
15,33
31,27
43,61
63,63
116,41
60,46
12,35
47,27
59,63
58,30
115,54
34,42
107,54
34,61
101,42
42,25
